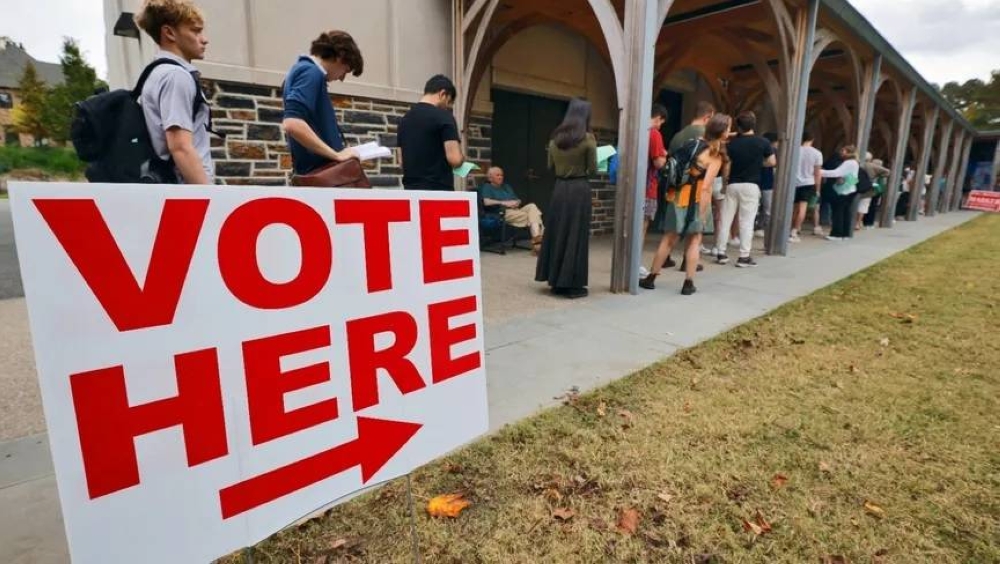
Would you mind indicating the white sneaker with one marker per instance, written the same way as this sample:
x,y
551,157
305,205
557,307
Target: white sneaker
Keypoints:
x,y
643,272
707,252
832,238
759,234
818,231
734,242
794,238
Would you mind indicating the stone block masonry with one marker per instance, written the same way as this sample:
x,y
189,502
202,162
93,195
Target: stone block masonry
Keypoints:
x,y
255,150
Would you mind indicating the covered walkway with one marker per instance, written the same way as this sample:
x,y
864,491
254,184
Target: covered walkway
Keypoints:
x,y
797,63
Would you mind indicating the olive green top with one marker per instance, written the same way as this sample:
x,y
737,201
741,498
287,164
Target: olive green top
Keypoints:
x,y
575,162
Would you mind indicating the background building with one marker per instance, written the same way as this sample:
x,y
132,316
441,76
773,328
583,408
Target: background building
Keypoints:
x,y
13,60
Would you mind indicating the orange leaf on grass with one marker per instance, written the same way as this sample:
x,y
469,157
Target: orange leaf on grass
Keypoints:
x,y
779,481
563,514
874,510
628,521
449,505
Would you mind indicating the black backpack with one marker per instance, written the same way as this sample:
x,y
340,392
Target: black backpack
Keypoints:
x,y
865,185
109,132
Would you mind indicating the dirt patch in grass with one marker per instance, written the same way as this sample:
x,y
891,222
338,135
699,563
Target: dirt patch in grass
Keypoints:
x,y
860,424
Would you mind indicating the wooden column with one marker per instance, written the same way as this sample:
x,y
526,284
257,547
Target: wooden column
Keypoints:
x,y
963,171
866,109
641,25
934,196
926,148
797,70
902,140
957,143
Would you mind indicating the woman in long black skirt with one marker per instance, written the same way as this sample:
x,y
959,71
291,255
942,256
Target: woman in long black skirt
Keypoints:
x,y
563,260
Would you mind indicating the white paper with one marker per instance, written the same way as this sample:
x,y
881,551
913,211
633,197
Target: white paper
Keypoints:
x,y
372,150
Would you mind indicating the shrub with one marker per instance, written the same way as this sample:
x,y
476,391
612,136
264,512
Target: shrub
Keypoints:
x,y
57,161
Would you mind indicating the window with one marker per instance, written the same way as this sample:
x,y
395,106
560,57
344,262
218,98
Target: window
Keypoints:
x,y
6,101
11,137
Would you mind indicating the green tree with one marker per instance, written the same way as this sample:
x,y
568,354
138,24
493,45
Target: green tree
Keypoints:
x,y
29,113
978,100
79,82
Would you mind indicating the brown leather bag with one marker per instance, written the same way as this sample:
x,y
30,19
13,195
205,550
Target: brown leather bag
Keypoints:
x,y
346,174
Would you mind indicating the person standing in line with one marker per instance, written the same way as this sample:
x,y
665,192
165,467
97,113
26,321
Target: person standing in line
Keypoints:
x,y
846,191
563,261
178,133
881,183
748,154
703,112
808,181
428,139
310,122
766,191
656,159
875,172
688,212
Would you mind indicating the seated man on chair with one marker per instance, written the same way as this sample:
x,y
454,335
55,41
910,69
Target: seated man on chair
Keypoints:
x,y
496,193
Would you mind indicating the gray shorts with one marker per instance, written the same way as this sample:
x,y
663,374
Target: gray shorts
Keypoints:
x,y
649,208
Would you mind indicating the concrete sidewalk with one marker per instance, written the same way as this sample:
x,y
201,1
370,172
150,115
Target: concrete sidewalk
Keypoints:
x,y
538,347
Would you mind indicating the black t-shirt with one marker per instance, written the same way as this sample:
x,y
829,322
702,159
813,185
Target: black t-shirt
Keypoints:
x,y
422,134
747,154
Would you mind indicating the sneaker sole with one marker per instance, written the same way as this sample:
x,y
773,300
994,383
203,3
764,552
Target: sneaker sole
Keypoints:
x,y
745,265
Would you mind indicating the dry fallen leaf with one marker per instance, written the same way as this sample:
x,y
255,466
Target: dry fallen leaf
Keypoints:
x,y
665,497
453,468
762,522
855,369
816,507
825,468
687,407
563,514
602,409
779,481
553,495
879,556
449,505
884,342
339,543
628,418
874,510
751,527
628,521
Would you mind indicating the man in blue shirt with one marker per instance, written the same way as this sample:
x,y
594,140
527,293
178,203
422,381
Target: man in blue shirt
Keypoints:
x,y
496,193
314,137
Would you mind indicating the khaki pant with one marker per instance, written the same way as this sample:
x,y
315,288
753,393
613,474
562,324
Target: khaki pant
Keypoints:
x,y
523,216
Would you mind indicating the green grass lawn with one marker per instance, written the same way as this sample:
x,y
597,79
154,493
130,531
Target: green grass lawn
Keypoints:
x,y
860,424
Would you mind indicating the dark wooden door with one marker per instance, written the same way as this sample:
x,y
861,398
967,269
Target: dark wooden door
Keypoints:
x,y
522,125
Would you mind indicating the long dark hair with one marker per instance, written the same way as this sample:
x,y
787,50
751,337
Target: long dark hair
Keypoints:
x,y
575,126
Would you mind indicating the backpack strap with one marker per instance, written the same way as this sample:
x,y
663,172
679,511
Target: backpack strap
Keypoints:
x,y
199,95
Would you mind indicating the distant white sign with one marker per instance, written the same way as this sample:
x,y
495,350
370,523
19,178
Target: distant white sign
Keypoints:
x,y
216,363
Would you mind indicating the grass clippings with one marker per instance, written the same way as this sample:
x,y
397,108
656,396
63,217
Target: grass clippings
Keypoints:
x,y
836,429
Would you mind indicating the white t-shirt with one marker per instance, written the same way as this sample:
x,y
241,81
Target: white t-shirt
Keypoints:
x,y
809,159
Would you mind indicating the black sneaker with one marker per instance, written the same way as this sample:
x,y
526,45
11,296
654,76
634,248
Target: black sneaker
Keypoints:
x,y
722,258
746,262
688,288
684,267
577,293
669,263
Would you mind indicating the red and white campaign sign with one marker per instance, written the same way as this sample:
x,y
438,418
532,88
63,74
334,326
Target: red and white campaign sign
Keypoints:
x,y
983,200
216,363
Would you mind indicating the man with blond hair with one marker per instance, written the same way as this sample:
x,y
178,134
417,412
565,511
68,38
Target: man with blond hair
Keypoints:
x,y
177,115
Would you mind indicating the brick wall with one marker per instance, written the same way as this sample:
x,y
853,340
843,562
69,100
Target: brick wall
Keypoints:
x,y
255,151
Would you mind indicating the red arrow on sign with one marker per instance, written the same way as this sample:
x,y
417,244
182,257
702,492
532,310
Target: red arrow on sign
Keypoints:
x,y
378,441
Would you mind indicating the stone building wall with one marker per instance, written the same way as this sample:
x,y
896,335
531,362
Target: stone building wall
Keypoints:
x,y
255,151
